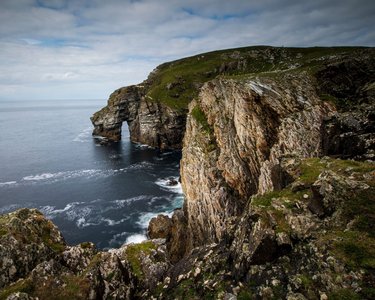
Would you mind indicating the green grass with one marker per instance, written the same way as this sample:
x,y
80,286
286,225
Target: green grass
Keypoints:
x,y
200,117
24,286
344,294
356,249
133,252
176,83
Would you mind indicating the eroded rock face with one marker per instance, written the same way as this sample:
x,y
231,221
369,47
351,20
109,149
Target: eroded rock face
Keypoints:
x,y
236,147
150,123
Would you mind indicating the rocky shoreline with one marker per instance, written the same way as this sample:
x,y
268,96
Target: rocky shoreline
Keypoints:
x,y
278,175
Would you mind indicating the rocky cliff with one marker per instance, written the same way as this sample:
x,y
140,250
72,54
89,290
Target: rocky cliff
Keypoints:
x,y
150,123
278,175
314,239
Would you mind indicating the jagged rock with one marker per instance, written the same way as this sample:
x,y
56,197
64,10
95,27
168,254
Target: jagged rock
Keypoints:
x,y
26,240
351,134
160,227
252,128
77,258
20,296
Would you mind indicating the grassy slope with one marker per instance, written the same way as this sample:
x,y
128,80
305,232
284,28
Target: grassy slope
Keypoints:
x,y
177,83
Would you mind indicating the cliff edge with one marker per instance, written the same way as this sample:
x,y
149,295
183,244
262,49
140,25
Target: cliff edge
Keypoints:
x,y
278,174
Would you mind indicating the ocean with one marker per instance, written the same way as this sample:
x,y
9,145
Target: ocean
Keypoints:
x,y
103,194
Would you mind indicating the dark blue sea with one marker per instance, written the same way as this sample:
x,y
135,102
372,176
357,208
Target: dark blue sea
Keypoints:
x,y
104,194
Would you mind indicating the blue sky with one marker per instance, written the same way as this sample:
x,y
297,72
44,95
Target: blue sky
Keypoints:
x,y
84,49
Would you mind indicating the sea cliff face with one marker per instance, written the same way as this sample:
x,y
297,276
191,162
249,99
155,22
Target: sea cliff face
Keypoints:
x,y
238,145
150,123
278,174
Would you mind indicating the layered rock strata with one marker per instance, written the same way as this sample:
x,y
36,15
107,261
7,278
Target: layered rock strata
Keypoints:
x,y
235,147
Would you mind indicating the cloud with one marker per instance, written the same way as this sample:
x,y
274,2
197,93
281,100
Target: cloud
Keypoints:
x,y
62,48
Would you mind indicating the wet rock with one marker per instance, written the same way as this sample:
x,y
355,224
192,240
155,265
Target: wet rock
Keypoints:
x,y
172,182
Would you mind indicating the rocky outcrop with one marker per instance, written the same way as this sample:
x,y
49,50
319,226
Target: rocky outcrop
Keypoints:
x,y
37,264
26,240
236,146
150,122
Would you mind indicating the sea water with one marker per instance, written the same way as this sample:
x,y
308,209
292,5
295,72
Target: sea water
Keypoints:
x,y
106,194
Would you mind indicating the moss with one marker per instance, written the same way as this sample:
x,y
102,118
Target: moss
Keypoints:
x,y
200,117
47,239
289,197
24,286
368,292
282,224
310,170
355,248
185,290
86,245
133,253
94,262
329,98
353,165
67,287
344,294
306,281
245,295
3,232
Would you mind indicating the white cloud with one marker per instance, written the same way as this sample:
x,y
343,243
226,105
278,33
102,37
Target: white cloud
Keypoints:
x,y
66,48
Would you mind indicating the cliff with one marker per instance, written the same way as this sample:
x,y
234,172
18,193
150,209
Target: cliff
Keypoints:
x,y
313,239
278,175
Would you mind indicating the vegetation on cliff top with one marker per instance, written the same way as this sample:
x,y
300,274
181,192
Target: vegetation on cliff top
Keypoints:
x,y
176,83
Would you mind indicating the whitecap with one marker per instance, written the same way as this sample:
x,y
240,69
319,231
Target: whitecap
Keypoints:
x,y
164,183
118,239
145,218
81,222
58,176
8,183
111,222
43,176
84,136
135,238
143,146
78,213
124,202
8,208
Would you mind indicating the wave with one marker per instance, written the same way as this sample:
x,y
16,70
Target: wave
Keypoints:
x,y
8,208
145,219
143,146
63,175
168,184
125,202
8,183
135,238
86,214
84,136
86,173
118,239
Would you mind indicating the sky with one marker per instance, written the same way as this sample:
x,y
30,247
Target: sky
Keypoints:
x,y
85,49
